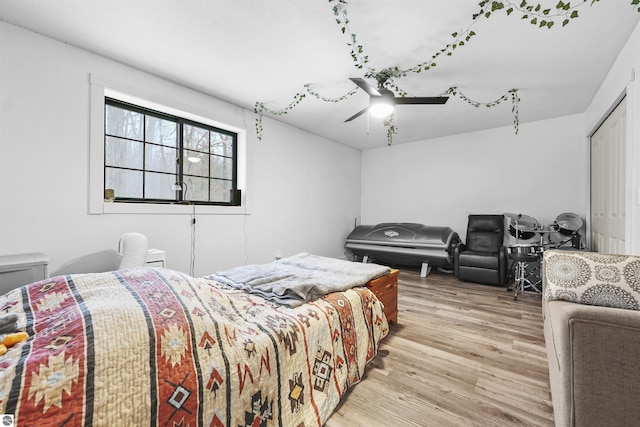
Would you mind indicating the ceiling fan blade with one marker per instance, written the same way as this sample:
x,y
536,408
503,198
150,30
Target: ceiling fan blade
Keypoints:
x,y
356,115
362,84
421,100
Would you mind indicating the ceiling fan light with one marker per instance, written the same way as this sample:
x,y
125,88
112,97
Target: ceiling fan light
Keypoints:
x,y
380,109
383,105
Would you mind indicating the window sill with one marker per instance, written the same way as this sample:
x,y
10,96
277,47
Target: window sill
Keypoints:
x,y
170,209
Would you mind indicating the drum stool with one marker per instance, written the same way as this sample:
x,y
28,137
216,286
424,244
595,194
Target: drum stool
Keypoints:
x,y
522,280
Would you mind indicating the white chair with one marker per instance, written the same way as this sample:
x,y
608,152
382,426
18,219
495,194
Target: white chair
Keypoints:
x,y
132,249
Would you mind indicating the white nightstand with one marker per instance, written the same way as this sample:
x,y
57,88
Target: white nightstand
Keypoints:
x,y
22,269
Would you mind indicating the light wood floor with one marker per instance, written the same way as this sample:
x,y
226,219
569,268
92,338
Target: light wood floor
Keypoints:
x,y
462,354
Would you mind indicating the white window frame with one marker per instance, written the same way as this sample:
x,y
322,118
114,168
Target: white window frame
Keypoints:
x,y
101,88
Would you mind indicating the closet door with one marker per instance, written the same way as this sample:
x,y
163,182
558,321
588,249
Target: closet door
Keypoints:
x,y
608,174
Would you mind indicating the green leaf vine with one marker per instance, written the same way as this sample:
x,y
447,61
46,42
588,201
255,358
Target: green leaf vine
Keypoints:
x,y
357,51
390,123
259,107
512,95
535,13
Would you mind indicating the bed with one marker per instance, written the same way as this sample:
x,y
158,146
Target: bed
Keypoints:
x,y
150,346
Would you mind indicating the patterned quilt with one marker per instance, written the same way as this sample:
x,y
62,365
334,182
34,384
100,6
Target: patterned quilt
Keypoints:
x,y
155,347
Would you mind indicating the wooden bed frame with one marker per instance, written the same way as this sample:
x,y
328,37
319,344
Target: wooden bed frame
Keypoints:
x,y
386,290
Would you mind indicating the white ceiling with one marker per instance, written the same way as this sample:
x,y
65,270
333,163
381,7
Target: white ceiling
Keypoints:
x,y
244,51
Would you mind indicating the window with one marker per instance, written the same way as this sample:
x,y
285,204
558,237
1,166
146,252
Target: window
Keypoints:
x,y
154,157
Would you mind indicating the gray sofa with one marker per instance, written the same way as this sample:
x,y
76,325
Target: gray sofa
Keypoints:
x,y
593,349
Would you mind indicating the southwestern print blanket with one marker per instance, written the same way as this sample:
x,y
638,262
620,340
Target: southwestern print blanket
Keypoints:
x,y
155,347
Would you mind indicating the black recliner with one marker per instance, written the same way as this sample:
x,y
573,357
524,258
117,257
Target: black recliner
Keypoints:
x,y
483,258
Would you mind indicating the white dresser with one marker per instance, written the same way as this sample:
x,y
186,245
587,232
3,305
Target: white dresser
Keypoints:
x,y
18,270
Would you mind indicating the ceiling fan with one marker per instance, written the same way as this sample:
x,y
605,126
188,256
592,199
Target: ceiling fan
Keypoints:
x,y
382,102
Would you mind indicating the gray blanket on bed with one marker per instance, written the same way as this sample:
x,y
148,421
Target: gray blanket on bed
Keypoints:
x,y
301,278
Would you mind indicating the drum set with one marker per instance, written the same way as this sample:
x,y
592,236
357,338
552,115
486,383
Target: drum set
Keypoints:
x,y
531,239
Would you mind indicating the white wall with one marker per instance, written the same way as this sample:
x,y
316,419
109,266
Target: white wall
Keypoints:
x,y
539,172
624,78
303,190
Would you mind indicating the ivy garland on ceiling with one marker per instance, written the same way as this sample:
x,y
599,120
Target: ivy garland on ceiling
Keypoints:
x,y
536,14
